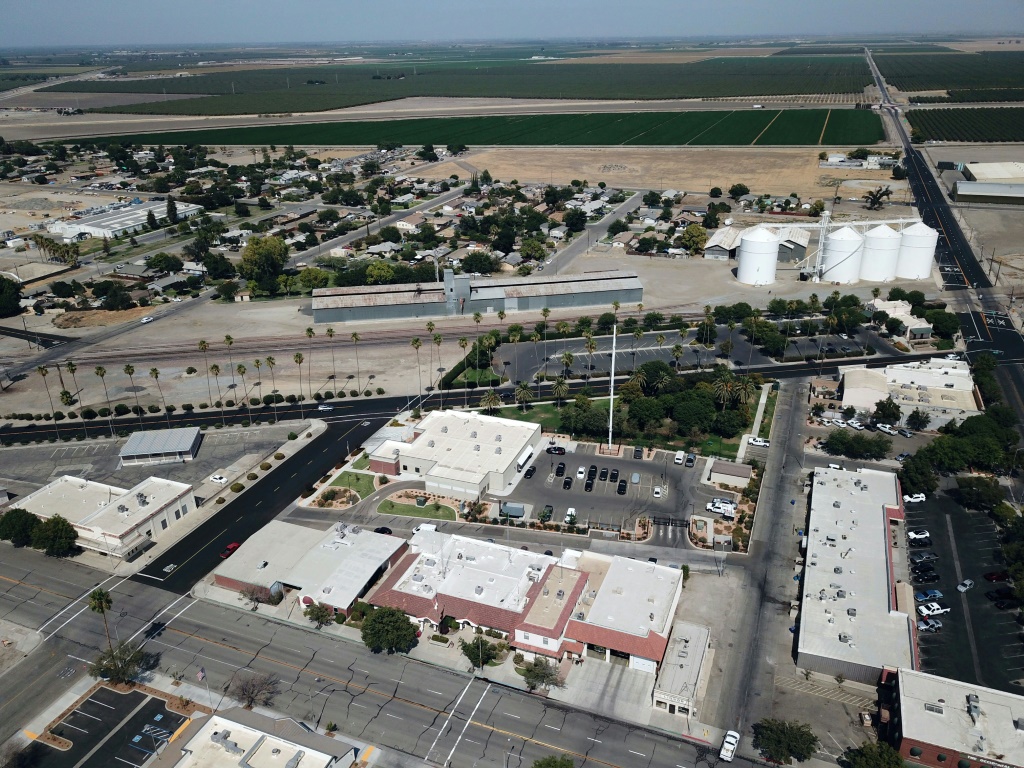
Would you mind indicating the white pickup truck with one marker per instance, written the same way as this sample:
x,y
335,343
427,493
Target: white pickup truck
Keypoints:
x,y
729,744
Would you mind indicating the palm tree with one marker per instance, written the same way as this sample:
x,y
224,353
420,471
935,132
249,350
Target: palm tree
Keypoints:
x,y
640,308
430,364
72,368
562,327
661,382
355,343
259,379
723,388
615,310
215,370
231,363
310,333
271,362
100,602
489,344
637,335
463,344
154,373
755,321
298,361
204,348
334,371
438,340
42,371
415,343
639,378
560,390
591,347
501,316
545,313
660,338
514,338
129,370
815,303
102,373
490,401
245,391
677,352
535,338
477,318
524,394
567,360
744,389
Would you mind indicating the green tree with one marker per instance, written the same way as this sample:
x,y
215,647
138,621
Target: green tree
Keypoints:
x,y
479,651
100,602
379,273
736,191
313,278
575,220
918,419
164,262
553,761
874,754
780,741
17,526
524,394
981,493
389,630
540,674
262,258
887,411
172,210
319,614
119,664
694,238
490,401
10,297
56,537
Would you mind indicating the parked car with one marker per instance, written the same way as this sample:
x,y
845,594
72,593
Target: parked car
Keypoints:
x,y
679,457
621,489
913,498
146,320
229,550
638,452
570,516
905,433
932,609
530,471
656,492
929,625
589,485
691,459
556,450
567,484
923,568
383,530
604,474
997,576
918,533
925,578
635,478
903,457
592,472
219,480
919,543
923,557
887,429
729,744
560,469
965,585
581,473
1003,593
927,595
614,476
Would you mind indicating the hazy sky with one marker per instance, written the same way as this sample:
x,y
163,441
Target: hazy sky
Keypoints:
x,y
138,22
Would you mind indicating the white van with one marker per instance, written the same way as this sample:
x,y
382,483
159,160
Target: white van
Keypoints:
x,y
680,457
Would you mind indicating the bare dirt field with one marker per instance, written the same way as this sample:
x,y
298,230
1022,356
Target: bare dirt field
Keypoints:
x,y
974,46
775,171
22,205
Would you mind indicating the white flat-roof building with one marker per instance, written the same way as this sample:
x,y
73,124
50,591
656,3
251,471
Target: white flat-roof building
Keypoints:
x,y
117,522
681,676
161,446
855,619
913,327
334,569
237,737
944,389
940,722
124,221
460,454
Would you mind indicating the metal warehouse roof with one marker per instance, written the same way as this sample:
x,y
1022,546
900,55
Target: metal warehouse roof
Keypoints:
x,y
161,441
378,296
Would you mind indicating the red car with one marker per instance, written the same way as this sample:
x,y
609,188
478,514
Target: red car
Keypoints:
x,y
997,576
230,550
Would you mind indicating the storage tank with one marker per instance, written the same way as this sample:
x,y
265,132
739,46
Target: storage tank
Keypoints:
x,y
881,250
917,252
843,251
758,256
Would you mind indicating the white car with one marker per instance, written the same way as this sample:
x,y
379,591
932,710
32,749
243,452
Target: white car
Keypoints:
x,y
581,473
219,479
657,492
918,533
176,299
838,422
932,609
325,408
914,498
146,319
844,337
953,357
729,744
759,442
570,516
964,585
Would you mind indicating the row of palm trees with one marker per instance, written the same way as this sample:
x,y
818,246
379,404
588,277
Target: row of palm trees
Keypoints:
x,y
66,253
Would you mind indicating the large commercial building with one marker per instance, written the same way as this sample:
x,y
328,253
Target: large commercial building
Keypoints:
x,y
161,446
950,724
460,454
333,569
613,609
117,522
238,737
855,618
464,295
1001,183
943,389
129,220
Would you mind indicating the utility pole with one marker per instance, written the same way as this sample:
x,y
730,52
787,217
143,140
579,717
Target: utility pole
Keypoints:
x,y
611,387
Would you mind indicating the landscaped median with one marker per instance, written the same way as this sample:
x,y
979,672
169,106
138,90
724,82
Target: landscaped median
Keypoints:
x,y
416,504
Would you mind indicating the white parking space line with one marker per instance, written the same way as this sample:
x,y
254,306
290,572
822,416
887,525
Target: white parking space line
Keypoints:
x,y
100,703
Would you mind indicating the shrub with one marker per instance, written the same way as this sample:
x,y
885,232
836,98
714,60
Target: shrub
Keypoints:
x,y
230,403
290,399
202,406
317,396
329,495
265,466
380,390
252,476
292,436
58,416
439,639
153,408
171,408
354,392
328,395
367,393
339,618
121,409
220,499
72,415
138,410
254,401
218,404
383,479
341,395
189,407
518,659
279,456
88,414
237,487
104,413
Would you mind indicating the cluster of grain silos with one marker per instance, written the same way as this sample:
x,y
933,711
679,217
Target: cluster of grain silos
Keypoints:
x,y
757,257
917,249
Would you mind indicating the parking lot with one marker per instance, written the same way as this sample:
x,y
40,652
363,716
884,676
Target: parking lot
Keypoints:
x,y
978,642
681,491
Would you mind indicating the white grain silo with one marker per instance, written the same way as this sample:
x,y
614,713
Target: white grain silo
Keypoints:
x,y
881,250
843,251
917,252
758,257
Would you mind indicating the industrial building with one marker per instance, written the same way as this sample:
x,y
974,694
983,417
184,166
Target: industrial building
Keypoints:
x,y
856,619
239,737
116,522
584,604
943,389
460,454
683,674
161,446
943,723
128,220
333,569
999,193
464,294
1009,172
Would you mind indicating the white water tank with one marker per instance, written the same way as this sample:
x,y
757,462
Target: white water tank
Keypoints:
x,y
917,252
881,250
843,251
758,257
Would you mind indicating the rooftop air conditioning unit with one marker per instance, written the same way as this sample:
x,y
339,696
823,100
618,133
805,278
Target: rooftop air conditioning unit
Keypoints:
x,y
497,438
844,638
580,615
476,447
262,565
430,443
472,435
444,429
478,590
560,594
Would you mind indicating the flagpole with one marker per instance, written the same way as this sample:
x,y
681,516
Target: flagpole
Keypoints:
x,y
201,674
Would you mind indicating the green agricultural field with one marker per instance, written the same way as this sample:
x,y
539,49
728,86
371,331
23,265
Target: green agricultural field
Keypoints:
x,y
968,124
312,89
703,128
9,80
942,71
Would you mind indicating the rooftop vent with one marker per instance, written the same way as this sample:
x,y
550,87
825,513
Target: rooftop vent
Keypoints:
x,y
444,429
973,706
417,577
222,738
497,438
476,447
560,594
430,562
580,615
430,443
262,565
844,637
472,435
498,449
478,590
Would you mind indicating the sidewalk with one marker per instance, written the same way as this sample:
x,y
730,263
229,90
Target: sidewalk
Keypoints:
x,y
756,427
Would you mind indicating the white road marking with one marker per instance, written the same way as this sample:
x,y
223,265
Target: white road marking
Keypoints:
x,y
437,692
598,741
509,714
442,730
394,716
638,753
74,602
69,725
468,721
552,728
100,703
83,714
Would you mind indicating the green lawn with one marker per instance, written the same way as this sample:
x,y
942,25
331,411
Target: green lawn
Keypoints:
x,y
362,462
720,446
357,481
545,414
769,414
389,507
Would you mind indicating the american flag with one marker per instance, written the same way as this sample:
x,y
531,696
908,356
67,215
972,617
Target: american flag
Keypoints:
x,y
201,674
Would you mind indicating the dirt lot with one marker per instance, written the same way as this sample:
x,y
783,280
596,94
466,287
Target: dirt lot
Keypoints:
x,y
22,205
1002,44
777,171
